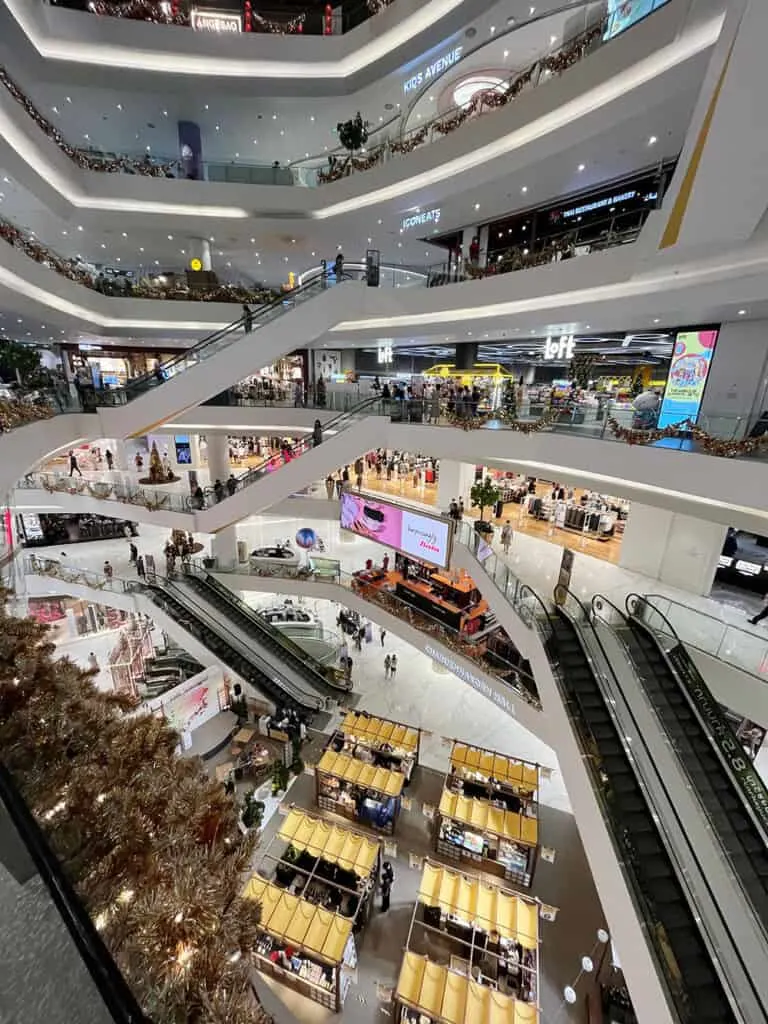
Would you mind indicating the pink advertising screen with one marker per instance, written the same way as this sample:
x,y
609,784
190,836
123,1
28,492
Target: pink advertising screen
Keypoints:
x,y
414,533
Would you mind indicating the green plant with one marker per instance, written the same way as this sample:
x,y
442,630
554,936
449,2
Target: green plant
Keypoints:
x,y
21,364
253,811
484,494
280,777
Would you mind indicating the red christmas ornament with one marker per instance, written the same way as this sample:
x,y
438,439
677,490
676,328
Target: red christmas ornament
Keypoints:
x,y
328,21
248,24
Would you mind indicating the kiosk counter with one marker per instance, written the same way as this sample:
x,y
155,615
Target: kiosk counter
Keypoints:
x,y
358,790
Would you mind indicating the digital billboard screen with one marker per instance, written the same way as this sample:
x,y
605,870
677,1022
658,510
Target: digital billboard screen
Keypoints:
x,y
622,14
417,534
688,372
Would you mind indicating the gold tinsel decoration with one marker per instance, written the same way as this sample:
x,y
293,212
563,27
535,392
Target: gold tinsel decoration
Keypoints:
x,y
688,430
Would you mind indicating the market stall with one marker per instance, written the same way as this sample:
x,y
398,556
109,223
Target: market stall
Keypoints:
x,y
488,813
392,744
358,790
315,902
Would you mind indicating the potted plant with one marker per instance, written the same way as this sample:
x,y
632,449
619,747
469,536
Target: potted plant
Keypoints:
x,y
297,765
253,811
280,777
484,494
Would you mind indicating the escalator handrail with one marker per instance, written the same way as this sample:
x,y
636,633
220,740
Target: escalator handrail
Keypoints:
x,y
175,593
639,599
526,589
300,446
597,609
118,999
292,650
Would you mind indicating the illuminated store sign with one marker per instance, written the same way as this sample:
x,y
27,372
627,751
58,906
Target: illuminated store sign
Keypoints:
x,y
215,21
384,354
559,348
688,372
433,69
416,219
425,537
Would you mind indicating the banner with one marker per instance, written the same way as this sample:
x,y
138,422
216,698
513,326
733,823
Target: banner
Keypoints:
x,y
688,372
416,534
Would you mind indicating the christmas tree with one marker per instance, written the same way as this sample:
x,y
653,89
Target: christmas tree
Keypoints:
x,y
150,843
156,473
509,400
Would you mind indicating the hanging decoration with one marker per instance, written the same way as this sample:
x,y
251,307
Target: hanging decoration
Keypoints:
x,y
295,26
140,10
402,146
510,423
706,443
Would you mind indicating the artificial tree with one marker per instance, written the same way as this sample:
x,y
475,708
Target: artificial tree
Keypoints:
x,y
509,400
484,494
353,134
151,844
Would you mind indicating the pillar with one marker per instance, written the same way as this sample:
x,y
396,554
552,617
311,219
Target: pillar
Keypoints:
x,y
676,549
224,547
466,355
190,151
218,457
735,392
454,481
200,248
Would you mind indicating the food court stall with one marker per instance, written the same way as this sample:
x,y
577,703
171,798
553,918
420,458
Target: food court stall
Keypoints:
x,y
358,790
488,813
391,744
316,900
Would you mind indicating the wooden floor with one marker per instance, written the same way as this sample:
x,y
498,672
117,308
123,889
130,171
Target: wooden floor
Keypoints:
x,y
607,550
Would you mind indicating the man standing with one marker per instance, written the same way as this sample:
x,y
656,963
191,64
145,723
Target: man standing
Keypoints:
x,y
387,663
73,466
382,634
506,536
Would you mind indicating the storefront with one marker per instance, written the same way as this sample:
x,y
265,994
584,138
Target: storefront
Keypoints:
x,y
488,814
354,788
70,618
488,939
40,529
114,367
315,903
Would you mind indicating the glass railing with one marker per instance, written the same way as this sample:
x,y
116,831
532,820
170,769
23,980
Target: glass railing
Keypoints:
x,y
257,395
60,923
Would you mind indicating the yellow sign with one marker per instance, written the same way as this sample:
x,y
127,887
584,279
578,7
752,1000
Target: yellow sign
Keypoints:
x,y
195,264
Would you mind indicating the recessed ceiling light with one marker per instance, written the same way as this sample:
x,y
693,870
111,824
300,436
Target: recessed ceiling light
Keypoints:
x,y
255,142
399,245
477,206
493,29
141,249
157,263
65,232
165,113
655,319
742,312
103,245
170,238
524,189
206,106
69,99
582,166
79,227
652,140
379,221
506,54
119,106
532,11
125,234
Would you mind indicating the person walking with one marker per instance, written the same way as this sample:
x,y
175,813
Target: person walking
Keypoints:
x,y
133,553
231,484
392,666
93,662
382,634
387,663
108,571
338,267
218,491
110,459
339,487
141,572
317,434
247,319
761,614
387,878
506,536
359,637
73,466
330,487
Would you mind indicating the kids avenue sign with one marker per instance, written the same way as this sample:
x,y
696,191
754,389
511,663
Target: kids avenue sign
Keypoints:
x,y
433,69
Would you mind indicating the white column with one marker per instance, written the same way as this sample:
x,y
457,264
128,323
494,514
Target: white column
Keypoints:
x,y
201,248
218,457
194,449
454,481
735,392
224,547
676,549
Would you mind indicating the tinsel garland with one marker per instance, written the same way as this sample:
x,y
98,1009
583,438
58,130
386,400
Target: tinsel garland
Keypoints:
x,y
342,168
138,10
510,422
17,412
401,146
707,443
279,28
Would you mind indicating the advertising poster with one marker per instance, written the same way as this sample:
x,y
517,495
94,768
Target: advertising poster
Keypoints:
x,y
622,14
688,372
421,536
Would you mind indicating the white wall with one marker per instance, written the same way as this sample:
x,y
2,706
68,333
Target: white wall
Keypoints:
x,y
737,379
677,549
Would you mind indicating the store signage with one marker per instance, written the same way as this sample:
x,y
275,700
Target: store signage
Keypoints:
x,y
433,70
721,732
559,348
421,536
215,21
740,566
469,677
195,264
417,219
688,372
599,204
384,354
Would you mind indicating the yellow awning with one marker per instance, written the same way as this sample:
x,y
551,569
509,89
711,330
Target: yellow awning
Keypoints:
x,y
489,764
488,907
376,731
358,772
480,816
452,998
300,923
350,850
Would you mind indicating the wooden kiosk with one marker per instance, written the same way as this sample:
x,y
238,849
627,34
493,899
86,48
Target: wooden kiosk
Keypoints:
x,y
357,790
316,900
488,814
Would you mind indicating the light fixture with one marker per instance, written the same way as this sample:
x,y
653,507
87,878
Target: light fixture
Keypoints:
x,y
493,29
552,40
65,232
506,54
742,312
655,319
141,249
524,189
582,166
170,238
311,117
477,206
125,234
79,227
652,140
119,106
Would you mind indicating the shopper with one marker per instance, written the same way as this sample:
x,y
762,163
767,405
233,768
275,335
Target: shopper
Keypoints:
x,y
108,571
359,637
382,634
348,669
387,663
93,662
385,563
339,487
198,497
461,510
387,878
330,487
453,510
73,466
110,459
761,614
231,484
393,666
138,461
338,267
247,319
133,553
506,536
141,572
317,433
298,394
218,491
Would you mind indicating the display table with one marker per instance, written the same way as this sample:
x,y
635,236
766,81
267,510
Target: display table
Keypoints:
x,y
358,790
392,744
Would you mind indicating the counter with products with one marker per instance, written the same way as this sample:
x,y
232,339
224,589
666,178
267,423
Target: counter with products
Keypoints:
x,y
488,813
391,744
356,789
317,900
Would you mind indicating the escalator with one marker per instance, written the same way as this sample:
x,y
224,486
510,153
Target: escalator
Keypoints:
x,y
231,647
272,642
682,955
699,743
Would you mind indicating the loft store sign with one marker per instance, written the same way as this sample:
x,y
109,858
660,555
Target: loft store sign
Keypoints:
x,y
433,70
417,219
559,348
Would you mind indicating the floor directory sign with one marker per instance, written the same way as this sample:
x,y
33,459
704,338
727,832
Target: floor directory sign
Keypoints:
x,y
688,372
